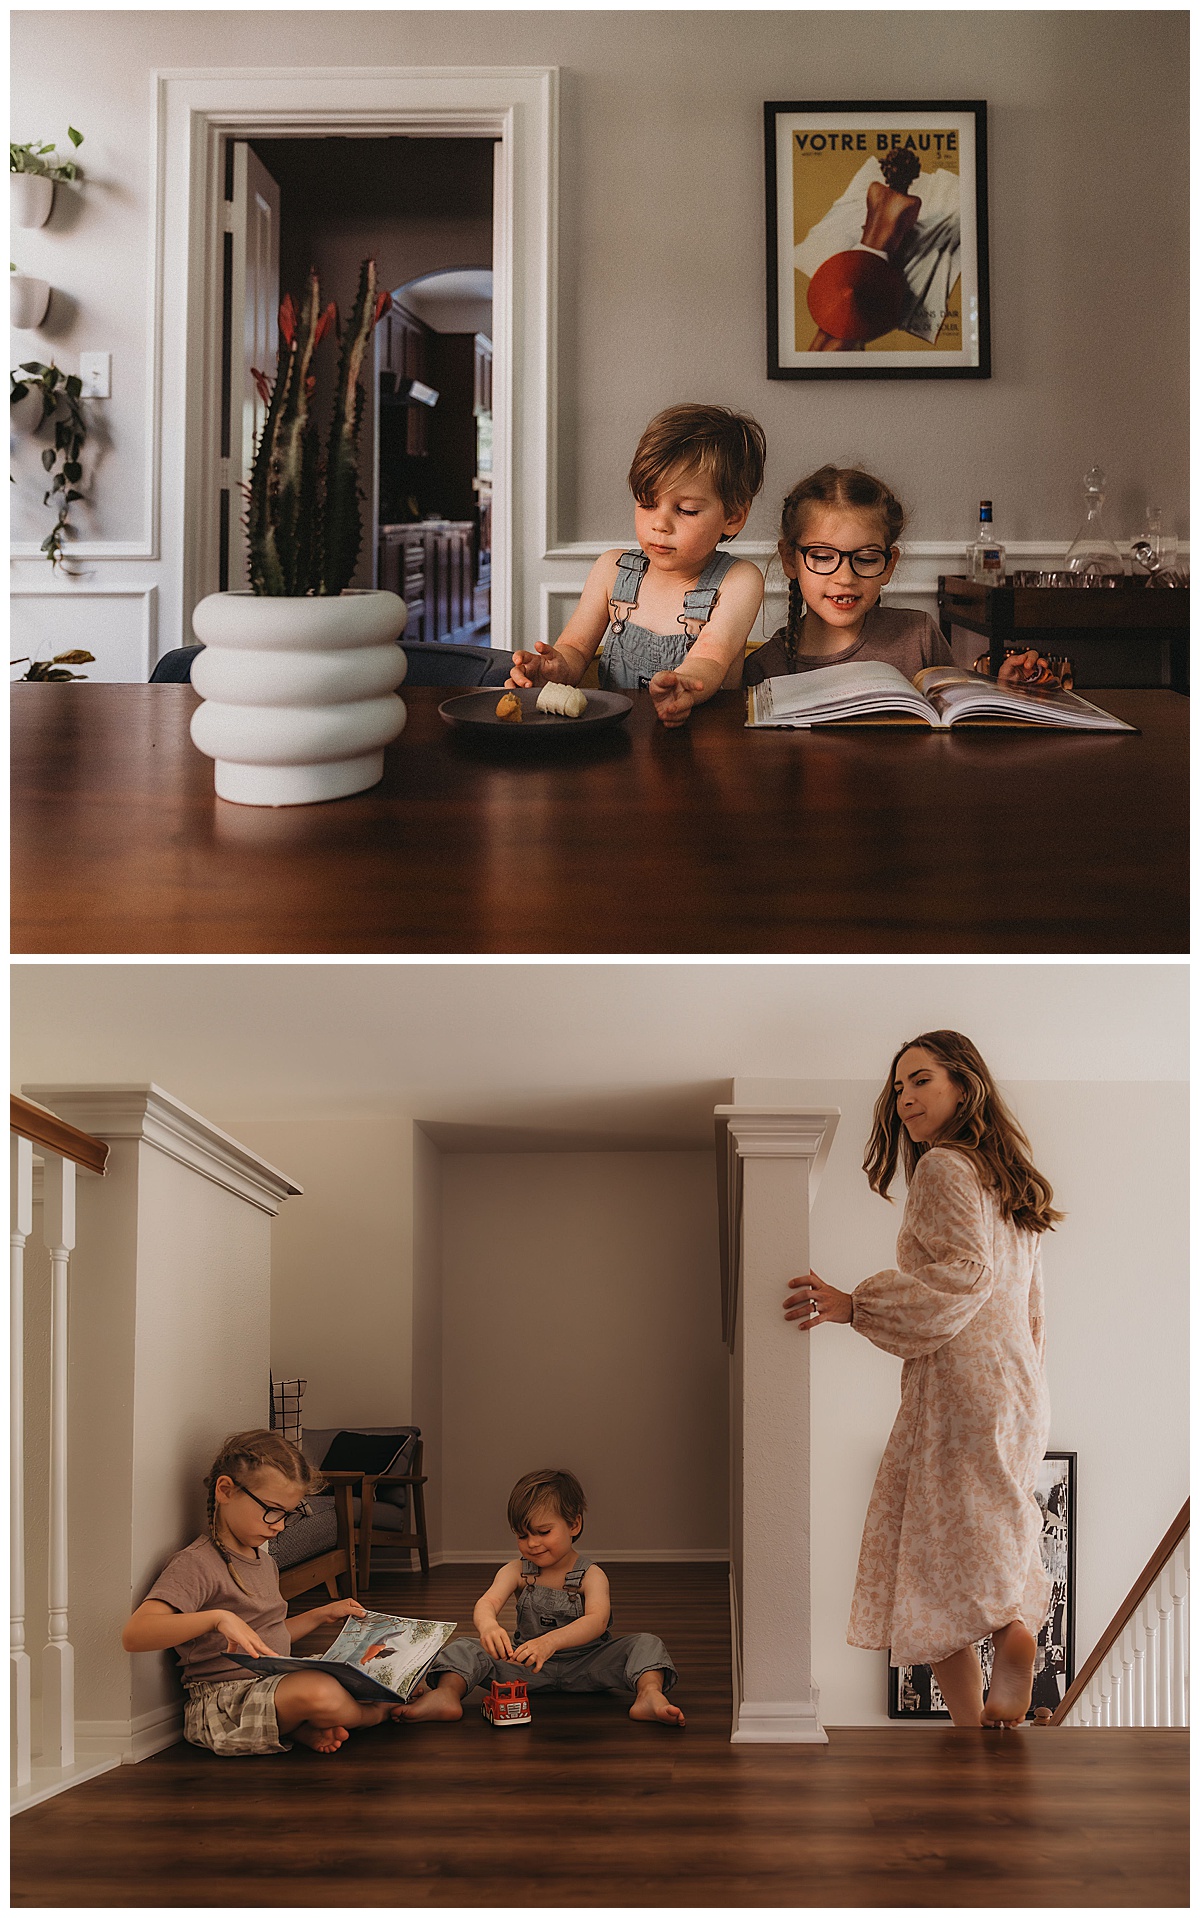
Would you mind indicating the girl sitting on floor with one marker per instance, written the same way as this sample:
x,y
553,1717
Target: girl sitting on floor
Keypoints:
x,y
221,1594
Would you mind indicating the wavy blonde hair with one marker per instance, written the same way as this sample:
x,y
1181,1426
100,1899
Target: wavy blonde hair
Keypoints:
x,y
983,1126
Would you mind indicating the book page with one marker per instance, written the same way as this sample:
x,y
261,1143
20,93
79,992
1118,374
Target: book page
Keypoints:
x,y
838,692
958,693
393,1651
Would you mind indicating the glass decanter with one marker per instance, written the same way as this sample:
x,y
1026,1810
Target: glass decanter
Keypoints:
x,y
1092,555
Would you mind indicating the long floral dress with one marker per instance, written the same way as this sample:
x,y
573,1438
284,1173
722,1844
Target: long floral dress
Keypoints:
x,y
950,1547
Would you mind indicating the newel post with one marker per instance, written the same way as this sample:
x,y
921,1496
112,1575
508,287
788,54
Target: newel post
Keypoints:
x,y
769,1162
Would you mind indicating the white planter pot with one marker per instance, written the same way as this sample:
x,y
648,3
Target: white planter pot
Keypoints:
x,y
299,698
30,300
24,415
31,198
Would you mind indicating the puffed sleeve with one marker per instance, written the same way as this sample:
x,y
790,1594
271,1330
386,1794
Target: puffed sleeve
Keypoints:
x,y
911,1313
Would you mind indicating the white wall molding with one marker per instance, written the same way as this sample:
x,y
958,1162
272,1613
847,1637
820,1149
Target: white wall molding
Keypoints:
x,y
194,110
557,600
66,590
133,1739
147,1112
915,578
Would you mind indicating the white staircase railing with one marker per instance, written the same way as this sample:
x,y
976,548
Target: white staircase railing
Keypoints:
x,y
1139,1671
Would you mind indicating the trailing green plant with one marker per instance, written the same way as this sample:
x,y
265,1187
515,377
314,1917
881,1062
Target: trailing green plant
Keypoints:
x,y
41,156
61,403
303,512
52,668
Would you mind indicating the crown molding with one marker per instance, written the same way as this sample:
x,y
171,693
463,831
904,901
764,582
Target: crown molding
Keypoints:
x,y
147,1113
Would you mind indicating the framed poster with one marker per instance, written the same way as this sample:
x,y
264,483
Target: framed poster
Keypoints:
x,y
877,262
913,1690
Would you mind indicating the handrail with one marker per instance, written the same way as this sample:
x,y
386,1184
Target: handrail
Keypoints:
x,y
55,1135
1124,1612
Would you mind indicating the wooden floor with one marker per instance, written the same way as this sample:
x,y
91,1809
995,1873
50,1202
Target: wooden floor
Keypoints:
x,y
584,1809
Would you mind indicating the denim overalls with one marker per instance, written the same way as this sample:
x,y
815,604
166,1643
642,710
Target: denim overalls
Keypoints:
x,y
630,655
607,1664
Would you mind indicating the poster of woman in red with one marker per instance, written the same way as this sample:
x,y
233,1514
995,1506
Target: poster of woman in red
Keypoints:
x,y
877,240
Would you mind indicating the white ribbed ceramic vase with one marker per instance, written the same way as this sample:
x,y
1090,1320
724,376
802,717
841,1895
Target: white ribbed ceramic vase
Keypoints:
x,y
299,697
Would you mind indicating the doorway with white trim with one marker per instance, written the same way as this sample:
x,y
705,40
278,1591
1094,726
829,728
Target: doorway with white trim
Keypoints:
x,y
422,208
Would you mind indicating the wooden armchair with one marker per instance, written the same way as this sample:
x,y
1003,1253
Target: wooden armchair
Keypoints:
x,y
387,1508
319,1550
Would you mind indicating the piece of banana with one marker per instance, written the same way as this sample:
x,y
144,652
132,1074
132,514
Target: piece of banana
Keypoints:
x,y
567,701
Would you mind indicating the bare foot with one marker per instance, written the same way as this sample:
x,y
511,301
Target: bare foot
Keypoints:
x,y
653,1703
322,1738
375,1714
441,1702
1012,1676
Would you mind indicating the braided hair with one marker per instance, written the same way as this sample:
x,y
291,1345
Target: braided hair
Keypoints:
x,y
831,486
240,1456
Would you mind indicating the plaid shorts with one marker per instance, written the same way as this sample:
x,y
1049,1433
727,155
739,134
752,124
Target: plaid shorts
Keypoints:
x,y
234,1717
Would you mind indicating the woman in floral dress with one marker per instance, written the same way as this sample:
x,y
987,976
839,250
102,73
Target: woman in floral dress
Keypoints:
x,y
950,1552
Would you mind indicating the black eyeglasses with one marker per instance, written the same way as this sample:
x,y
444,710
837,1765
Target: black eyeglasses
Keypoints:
x,y
272,1514
868,561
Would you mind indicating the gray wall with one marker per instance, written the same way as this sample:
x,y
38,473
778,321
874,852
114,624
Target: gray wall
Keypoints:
x,y
662,233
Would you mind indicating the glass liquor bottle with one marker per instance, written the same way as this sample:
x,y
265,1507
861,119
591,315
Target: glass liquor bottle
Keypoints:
x,y
1092,554
985,555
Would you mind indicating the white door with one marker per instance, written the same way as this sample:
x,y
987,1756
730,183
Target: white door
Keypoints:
x,y
252,221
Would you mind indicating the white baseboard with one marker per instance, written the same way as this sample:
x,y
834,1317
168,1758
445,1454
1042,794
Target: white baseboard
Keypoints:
x,y
769,1722
132,1739
687,1555
49,1780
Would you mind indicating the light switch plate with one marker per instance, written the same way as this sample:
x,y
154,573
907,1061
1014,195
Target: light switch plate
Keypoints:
x,y
95,373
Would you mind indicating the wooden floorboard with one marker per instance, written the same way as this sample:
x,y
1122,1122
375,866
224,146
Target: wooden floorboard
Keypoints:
x,y
584,1809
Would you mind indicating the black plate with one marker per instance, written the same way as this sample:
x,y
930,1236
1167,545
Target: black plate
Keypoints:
x,y
478,712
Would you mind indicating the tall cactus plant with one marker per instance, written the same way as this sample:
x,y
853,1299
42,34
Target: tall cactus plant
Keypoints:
x,y
303,523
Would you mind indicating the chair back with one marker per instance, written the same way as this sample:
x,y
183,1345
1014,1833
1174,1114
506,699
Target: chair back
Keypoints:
x,y
317,1440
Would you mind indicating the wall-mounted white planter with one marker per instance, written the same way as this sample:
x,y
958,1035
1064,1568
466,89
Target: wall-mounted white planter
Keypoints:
x,y
30,300
299,698
32,196
25,415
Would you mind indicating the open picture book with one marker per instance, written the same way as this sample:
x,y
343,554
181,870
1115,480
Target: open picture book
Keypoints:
x,y
870,692
374,1657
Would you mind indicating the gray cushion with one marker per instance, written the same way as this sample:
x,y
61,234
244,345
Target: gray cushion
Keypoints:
x,y
386,1517
307,1538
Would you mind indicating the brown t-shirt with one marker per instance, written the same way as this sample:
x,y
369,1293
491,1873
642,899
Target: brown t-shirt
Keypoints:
x,y
900,635
197,1579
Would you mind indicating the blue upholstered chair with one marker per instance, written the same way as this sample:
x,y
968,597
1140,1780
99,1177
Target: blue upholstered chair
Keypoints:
x,y
429,664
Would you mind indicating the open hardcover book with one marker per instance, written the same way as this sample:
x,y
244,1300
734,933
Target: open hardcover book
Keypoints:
x,y
376,1657
870,692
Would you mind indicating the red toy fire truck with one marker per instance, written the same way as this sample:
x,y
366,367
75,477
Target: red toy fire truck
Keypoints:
x,y
507,1703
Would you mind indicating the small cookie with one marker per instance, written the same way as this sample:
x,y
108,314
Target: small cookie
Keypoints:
x,y
508,707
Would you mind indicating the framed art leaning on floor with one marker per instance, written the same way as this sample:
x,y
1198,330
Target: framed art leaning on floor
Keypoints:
x,y
877,258
913,1689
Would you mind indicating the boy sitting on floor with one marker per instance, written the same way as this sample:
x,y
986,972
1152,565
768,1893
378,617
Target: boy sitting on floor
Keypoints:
x,y
562,1641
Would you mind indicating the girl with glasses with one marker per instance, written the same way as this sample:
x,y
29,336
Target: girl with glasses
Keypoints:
x,y
838,545
221,1594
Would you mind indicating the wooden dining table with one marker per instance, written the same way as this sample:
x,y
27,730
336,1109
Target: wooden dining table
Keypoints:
x,y
705,839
